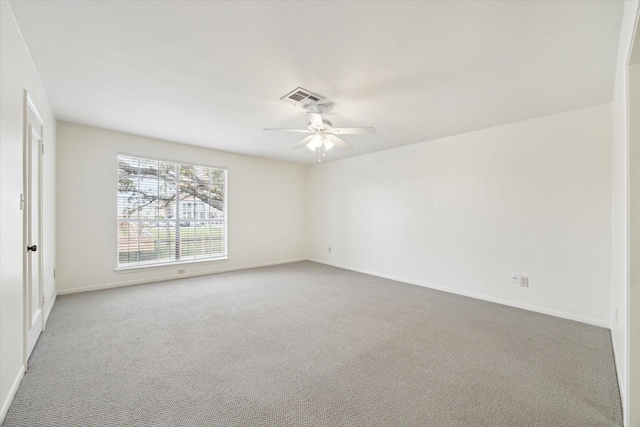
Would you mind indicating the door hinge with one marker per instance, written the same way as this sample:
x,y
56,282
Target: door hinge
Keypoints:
x,y
43,300
21,201
42,149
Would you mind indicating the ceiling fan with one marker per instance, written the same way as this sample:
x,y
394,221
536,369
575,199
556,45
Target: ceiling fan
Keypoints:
x,y
323,135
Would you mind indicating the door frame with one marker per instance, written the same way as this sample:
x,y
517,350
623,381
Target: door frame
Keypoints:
x,y
29,106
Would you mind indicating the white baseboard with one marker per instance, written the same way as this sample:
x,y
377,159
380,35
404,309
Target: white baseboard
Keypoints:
x,y
12,394
537,309
48,313
16,383
621,384
172,277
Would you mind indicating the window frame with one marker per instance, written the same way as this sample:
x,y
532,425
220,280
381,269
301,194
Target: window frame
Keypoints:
x,y
169,264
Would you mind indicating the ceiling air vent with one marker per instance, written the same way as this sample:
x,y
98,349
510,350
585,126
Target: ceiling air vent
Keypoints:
x,y
302,97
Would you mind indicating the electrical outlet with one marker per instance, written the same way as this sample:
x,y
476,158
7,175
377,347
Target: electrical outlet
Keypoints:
x,y
182,270
329,249
515,279
524,281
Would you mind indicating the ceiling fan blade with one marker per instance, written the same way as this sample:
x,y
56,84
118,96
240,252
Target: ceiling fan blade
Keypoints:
x,y
304,141
351,131
289,130
315,119
338,142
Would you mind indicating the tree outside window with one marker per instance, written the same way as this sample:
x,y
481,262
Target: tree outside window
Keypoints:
x,y
169,212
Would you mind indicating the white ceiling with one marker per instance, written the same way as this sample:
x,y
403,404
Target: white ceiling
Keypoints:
x,y
211,73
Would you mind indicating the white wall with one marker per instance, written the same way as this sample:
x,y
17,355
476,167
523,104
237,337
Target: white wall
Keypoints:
x,y
265,207
620,205
462,213
19,73
634,243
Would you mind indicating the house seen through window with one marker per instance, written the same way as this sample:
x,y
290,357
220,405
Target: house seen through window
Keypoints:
x,y
169,212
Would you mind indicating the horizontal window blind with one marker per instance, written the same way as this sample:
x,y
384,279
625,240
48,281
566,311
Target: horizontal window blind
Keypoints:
x,y
169,212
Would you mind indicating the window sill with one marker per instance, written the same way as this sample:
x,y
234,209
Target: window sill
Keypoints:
x,y
168,265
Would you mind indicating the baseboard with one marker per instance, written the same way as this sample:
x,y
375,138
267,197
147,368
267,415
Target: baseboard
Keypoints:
x,y
48,313
621,384
12,394
537,309
14,387
172,277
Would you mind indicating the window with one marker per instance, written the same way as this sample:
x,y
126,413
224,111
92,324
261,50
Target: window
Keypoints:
x,y
169,212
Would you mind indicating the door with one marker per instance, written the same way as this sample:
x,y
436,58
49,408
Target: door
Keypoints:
x,y
32,229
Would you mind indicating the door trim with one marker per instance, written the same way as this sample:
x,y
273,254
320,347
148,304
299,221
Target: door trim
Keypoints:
x,y
29,107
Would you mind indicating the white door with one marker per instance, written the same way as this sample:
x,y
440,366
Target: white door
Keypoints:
x,y
33,233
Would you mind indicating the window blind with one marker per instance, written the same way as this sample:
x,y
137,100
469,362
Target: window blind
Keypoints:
x,y
169,212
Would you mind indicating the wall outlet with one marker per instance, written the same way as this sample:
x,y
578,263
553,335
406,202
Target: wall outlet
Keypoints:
x,y
182,270
515,279
524,281
329,249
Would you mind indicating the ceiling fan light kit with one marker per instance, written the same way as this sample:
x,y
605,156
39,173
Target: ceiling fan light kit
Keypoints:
x,y
323,136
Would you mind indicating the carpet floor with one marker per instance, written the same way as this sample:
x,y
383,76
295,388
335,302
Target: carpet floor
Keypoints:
x,y
305,344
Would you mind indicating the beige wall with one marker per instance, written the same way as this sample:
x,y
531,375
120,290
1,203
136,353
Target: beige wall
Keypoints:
x,y
265,208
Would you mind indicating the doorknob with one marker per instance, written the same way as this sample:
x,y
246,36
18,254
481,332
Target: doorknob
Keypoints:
x,y
32,248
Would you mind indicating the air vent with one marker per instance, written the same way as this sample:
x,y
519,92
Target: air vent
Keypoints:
x,y
300,96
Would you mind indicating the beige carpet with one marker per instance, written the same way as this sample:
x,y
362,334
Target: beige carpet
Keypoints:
x,y
305,344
